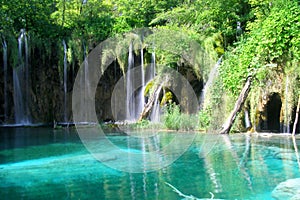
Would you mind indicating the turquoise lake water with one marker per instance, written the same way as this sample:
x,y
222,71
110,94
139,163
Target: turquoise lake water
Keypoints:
x,y
42,163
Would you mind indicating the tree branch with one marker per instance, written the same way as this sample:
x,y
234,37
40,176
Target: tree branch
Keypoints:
x,y
238,105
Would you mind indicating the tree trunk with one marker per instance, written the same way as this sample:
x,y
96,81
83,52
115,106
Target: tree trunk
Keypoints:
x,y
148,107
238,105
296,117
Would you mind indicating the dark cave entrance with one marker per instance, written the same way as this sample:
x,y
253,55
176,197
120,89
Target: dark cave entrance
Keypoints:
x,y
273,109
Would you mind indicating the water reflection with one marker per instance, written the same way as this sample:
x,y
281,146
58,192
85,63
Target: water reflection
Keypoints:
x,y
54,164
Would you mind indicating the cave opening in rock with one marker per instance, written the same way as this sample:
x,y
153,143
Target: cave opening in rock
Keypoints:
x,y
273,112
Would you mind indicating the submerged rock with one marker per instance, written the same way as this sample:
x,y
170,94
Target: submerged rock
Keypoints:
x,y
287,190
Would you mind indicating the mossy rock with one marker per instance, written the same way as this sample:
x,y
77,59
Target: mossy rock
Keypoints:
x,y
148,88
168,97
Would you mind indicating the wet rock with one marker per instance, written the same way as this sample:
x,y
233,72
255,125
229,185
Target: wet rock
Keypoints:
x,y
287,190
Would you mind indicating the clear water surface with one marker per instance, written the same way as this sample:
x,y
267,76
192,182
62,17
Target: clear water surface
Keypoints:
x,y
42,163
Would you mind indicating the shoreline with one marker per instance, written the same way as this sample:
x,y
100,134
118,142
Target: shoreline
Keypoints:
x,y
123,128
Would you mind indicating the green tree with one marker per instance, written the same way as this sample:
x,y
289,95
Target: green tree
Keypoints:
x,y
131,14
32,15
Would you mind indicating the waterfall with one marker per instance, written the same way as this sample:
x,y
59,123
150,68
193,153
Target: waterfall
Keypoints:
x,y
141,98
85,84
4,45
152,69
21,83
248,124
135,100
209,82
86,73
286,128
130,100
65,80
155,113
135,85
150,73
154,116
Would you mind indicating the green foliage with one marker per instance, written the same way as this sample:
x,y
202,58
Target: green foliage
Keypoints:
x,y
182,47
266,49
11,47
175,120
142,124
188,122
171,117
208,17
204,119
131,14
30,15
168,49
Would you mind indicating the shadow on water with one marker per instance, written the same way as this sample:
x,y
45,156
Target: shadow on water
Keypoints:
x,y
21,137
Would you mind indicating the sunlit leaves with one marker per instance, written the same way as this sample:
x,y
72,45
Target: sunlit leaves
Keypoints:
x,y
32,15
273,41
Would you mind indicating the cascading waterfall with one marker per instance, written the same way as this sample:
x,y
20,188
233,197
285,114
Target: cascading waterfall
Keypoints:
x,y
153,65
286,128
86,72
209,82
4,45
65,81
155,113
141,98
135,99
85,84
248,124
150,73
130,100
21,83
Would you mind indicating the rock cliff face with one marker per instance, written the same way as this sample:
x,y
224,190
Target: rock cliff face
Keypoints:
x,y
46,92
275,104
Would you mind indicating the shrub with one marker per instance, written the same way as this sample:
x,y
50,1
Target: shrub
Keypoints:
x,y
175,120
204,119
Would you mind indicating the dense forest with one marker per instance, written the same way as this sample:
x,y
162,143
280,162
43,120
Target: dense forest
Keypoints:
x,y
257,39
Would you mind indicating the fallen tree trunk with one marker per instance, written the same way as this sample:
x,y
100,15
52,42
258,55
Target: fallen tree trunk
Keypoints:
x,y
238,105
148,107
296,117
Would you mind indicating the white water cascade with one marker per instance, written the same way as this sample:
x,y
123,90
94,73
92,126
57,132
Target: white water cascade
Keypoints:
x,y
155,113
86,87
209,82
286,128
141,97
130,100
4,45
65,82
21,82
135,100
152,66
135,83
